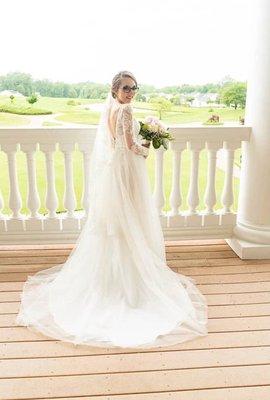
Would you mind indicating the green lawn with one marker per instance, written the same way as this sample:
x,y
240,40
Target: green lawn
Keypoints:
x,y
7,119
80,117
78,113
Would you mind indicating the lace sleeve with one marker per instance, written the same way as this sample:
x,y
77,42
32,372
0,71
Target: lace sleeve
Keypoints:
x,y
127,129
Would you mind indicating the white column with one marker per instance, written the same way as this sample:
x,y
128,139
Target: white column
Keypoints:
x,y
252,233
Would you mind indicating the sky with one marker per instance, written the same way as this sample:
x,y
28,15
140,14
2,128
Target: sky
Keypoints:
x,y
162,43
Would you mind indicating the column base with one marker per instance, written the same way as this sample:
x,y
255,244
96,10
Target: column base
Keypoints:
x,y
249,250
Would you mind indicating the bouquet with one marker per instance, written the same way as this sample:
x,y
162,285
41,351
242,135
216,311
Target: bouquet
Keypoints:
x,y
153,130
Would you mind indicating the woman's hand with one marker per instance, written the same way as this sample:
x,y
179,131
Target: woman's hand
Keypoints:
x,y
147,145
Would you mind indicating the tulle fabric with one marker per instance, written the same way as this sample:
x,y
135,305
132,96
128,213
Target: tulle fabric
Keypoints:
x,y
115,289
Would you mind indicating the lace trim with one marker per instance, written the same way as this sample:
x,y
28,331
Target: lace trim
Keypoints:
x,y
128,132
138,149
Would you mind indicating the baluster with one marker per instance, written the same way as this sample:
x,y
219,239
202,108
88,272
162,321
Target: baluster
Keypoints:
x,y
2,217
69,194
1,205
70,221
33,201
158,195
194,218
34,221
15,201
51,221
209,216
86,167
174,216
86,147
15,222
227,198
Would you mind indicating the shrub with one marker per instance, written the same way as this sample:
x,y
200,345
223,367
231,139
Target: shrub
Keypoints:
x,y
32,99
23,110
73,103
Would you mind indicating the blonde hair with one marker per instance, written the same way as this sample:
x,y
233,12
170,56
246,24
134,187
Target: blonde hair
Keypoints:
x,y
117,79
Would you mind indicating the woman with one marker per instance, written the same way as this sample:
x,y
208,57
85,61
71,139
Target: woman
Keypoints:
x,y
115,289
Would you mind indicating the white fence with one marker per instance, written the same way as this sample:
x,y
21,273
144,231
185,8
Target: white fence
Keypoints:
x,y
65,227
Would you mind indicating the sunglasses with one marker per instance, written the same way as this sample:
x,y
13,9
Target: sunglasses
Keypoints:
x,y
127,89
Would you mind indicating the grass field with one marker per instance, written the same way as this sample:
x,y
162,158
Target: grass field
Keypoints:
x,y
77,114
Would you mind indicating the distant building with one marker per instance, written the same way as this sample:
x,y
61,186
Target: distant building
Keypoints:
x,y
167,96
11,92
201,99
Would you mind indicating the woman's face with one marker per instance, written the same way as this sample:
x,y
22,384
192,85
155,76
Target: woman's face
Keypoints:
x,y
124,96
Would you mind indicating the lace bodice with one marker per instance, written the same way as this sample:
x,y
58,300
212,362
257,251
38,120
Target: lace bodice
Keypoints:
x,y
127,131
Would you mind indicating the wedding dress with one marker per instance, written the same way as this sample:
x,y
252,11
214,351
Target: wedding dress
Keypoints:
x,y
115,288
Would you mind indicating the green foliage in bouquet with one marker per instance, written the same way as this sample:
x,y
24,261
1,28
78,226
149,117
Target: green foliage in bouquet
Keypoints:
x,y
154,131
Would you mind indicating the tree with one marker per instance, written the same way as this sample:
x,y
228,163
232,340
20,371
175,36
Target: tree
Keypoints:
x,y
190,99
17,81
161,104
140,97
72,93
175,100
234,94
32,99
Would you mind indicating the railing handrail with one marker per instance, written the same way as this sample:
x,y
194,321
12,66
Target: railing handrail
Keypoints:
x,y
180,132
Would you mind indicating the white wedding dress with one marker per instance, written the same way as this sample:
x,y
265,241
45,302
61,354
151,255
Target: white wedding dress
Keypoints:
x,y
115,289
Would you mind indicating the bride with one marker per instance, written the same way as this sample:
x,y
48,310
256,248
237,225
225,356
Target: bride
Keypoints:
x,y
115,289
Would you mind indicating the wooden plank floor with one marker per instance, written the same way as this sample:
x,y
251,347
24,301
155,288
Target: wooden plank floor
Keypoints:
x,y
231,363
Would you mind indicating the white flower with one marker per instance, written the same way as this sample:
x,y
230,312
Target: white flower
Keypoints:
x,y
151,119
154,128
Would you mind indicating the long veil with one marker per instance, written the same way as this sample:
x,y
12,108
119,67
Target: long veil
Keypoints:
x,y
100,157
102,151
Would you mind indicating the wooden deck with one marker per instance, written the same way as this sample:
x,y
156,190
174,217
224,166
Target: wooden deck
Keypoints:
x,y
231,363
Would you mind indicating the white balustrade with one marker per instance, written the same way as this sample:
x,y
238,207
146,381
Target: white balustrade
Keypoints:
x,y
65,227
